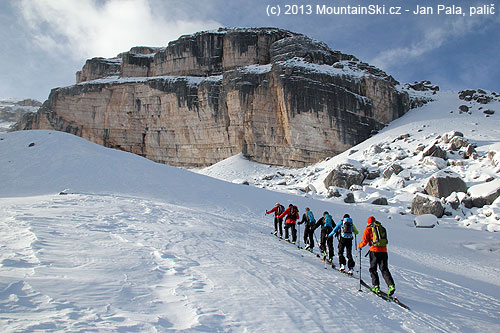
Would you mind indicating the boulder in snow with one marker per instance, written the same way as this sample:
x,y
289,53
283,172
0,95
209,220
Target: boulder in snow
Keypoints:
x,y
459,142
372,150
435,161
470,151
392,169
434,150
344,175
425,221
446,138
426,204
373,174
484,194
443,183
349,198
494,154
380,201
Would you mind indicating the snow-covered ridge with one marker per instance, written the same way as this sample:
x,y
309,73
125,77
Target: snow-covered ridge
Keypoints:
x,y
190,80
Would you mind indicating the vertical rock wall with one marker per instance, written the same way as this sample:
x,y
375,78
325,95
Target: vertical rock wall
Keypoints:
x,y
278,97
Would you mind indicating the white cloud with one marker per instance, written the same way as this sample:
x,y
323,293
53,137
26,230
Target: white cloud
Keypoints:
x,y
91,28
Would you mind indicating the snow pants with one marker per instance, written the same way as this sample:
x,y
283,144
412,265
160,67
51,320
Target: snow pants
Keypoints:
x,y
347,244
278,222
327,241
380,259
309,235
294,231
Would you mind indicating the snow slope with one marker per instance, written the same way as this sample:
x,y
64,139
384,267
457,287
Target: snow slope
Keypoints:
x,y
138,246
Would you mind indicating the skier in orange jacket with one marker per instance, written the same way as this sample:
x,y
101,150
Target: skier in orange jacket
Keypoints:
x,y
378,257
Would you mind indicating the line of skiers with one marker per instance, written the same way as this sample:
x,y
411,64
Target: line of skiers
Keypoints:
x,y
374,235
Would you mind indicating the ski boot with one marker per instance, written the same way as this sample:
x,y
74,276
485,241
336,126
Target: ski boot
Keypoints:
x,y
391,290
342,268
376,289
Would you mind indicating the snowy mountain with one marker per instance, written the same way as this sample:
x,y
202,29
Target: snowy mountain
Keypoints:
x,y
95,239
12,109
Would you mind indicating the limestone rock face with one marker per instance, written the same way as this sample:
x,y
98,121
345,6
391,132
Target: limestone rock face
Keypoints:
x,y
97,68
276,96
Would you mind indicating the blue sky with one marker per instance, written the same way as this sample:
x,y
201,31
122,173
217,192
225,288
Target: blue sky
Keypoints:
x,y
44,42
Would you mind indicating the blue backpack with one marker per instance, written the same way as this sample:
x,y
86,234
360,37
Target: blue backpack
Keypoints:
x,y
328,220
347,228
310,217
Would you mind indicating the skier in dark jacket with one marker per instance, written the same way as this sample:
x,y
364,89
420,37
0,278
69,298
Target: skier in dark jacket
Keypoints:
x,y
277,210
292,215
310,226
346,230
326,223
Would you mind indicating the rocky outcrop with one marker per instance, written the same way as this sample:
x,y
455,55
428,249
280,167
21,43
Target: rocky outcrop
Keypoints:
x,y
274,95
97,68
13,110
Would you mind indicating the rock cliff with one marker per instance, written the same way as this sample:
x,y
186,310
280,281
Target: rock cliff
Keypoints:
x,y
279,97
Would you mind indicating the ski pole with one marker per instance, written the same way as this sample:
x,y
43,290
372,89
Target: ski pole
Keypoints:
x,y
298,240
359,269
355,241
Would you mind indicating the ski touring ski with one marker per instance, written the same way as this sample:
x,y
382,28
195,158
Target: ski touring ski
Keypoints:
x,y
385,296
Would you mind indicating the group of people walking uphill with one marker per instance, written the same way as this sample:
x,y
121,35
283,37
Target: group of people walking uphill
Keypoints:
x,y
345,231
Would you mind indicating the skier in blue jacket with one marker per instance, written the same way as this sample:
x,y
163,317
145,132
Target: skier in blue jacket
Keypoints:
x,y
326,223
346,230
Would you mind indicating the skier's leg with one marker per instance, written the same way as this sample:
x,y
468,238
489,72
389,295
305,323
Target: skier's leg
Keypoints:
x,y
294,232
384,268
286,230
330,248
373,269
348,248
341,251
311,238
280,221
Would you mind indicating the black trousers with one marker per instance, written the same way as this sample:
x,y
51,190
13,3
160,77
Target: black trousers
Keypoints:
x,y
278,221
327,241
380,259
294,231
309,235
346,243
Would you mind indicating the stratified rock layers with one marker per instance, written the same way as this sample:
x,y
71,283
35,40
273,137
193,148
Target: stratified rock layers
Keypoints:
x,y
278,97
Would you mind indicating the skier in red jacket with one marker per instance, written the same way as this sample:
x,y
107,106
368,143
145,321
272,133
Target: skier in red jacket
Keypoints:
x,y
277,210
292,215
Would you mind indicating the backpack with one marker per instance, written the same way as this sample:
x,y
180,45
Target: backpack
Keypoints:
x,y
294,212
328,220
280,210
379,234
310,217
347,228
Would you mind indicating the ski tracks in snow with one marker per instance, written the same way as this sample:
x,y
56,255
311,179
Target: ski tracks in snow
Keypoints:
x,y
84,262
